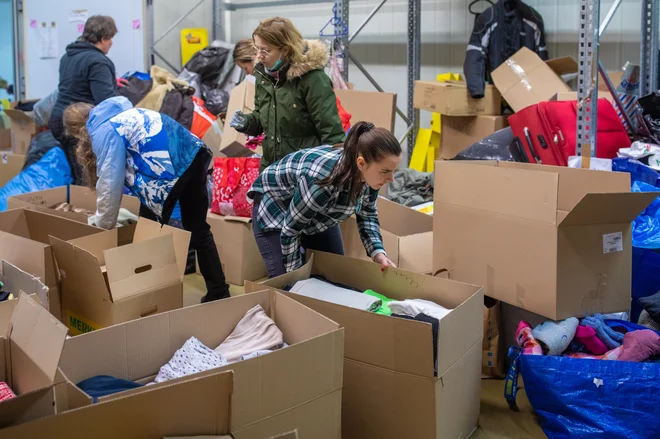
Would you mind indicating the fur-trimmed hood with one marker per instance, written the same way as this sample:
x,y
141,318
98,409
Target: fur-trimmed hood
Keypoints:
x,y
315,57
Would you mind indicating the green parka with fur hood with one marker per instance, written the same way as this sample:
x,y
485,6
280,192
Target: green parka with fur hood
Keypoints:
x,y
298,110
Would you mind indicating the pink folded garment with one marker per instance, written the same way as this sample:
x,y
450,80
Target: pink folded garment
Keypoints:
x,y
527,341
614,354
587,336
640,345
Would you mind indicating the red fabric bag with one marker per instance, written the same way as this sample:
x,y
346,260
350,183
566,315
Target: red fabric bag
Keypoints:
x,y
202,118
552,127
232,178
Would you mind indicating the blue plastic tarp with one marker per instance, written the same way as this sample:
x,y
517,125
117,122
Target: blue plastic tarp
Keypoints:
x,y
646,227
51,171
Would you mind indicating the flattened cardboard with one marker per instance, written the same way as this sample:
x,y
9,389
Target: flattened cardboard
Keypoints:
x,y
10,166
24,242
22,130
233,142
264,387
239,254
79,196
535,235
375,107
452,98
407,236
198,406
458,133
525,79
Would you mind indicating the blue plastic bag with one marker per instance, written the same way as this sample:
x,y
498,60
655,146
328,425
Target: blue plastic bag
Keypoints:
x,y
638,171
646,227
586,399
51,171
645,277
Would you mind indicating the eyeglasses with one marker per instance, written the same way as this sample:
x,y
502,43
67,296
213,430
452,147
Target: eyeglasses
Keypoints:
x,y
266,52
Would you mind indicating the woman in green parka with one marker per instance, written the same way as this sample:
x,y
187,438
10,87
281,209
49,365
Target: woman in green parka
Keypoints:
x,y
294,103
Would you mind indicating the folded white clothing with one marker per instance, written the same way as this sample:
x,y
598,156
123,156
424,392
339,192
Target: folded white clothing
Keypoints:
x,y
255,332
193,357
413,307
262,352
318,289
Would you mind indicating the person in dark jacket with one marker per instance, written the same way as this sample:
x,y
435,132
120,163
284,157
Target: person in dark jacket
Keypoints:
x,y
294,103
86,75
499,32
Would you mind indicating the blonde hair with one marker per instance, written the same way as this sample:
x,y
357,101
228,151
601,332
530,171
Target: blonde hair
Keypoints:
x,y
244,51
283,35
75,124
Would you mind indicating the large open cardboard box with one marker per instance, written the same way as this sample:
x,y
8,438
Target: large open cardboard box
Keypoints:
x,y
103,284
525,79
552,240
370,106
460,132
22,129
298,387
407,237
24,243
452,98
199,406
16,281
233,142
10,166
239,254
78,196
390,387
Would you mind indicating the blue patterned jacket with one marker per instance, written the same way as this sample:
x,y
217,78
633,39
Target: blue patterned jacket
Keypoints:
x,y
144,150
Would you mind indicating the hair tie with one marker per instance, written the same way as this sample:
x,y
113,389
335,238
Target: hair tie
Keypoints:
x,y
370,126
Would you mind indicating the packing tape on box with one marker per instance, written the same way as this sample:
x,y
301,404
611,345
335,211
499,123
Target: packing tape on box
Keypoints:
x,y
520,72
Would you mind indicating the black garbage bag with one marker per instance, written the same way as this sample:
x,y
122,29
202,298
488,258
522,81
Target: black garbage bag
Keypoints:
x,y
497,146
208,63
215,99
39,146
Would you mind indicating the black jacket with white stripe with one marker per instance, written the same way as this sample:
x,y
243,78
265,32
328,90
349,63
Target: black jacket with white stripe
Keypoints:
x,y
499,32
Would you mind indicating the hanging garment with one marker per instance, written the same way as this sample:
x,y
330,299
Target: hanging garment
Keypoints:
x,y
320,290
499,32
169,96
193,357
254,332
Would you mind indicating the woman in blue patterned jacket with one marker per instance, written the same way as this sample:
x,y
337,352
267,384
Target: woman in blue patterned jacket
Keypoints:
x,y
159,161
300,200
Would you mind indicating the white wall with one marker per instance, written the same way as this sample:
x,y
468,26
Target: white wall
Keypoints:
x,y
446,27
6,44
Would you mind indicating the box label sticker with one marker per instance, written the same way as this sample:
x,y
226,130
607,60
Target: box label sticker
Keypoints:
x,y
79,325
612,242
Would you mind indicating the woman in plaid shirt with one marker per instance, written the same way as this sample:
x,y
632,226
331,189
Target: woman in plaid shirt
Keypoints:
x,y
300,200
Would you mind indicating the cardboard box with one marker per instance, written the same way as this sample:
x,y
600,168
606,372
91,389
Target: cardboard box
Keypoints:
x,y
233,142
390,387
16,281
24,242
572,96
197,406
78,196
525,79
452,98
407,237
103,284
458,133
239,254
5,139
213,139
10,166
22,130
31,348
552,240
377,108
298,387
615,77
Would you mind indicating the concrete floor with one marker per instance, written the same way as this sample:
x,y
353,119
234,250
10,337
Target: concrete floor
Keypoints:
x,y
497,421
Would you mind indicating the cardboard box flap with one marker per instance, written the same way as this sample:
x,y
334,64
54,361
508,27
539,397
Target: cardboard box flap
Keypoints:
x,y
134,268
515,69
17,280
238,219
563,66
375,107
40,339
612,208
147,229
18,116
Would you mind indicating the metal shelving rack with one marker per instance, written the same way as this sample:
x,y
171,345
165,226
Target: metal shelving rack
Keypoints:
x,y
219,7
589,65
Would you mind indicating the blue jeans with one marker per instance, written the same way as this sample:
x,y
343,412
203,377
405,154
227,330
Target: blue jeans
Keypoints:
x,y
270,247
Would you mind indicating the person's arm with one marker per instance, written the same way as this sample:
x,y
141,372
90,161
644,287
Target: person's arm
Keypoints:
x,y
322,107
111,172
368,225
308,199
102,82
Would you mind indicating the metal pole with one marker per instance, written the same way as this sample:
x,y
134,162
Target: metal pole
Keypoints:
x,y
176,23
268,4
408,131
587,114
366,20
169,64
151,59
214,18
342,6
414,67
219,20
609,16
19,77
649,47
371,79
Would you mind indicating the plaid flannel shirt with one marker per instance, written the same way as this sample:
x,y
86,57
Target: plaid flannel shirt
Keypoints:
x,y
295,203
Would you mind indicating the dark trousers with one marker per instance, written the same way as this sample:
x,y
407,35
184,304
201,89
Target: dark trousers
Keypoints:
x,y
69,145
270,247
191,193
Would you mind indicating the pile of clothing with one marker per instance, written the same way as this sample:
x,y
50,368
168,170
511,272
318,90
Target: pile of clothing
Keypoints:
x,y
5,392
255,335
650,315
411,309
125,217
411,187
593,337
